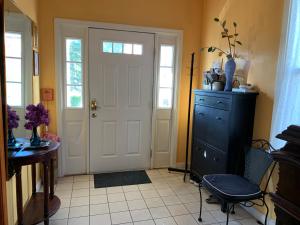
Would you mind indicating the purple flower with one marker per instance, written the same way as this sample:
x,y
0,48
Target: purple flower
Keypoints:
x,y
13,118
36,116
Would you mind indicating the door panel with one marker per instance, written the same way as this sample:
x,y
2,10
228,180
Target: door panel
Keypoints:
x,y
122,86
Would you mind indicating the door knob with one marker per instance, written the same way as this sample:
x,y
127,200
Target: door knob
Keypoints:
x,y
94,115
93,105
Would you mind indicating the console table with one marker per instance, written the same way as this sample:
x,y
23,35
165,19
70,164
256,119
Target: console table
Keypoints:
x,y
41,205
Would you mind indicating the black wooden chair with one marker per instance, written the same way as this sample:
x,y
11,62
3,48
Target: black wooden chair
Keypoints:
x,y
233,189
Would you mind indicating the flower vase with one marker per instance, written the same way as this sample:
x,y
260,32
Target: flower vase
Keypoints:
x,y
230,66
35,139
11,138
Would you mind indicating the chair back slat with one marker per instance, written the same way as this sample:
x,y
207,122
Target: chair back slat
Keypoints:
x,y
257,162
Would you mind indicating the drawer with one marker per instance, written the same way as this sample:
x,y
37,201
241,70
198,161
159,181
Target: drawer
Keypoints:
x,y
212,101
207,160
211,125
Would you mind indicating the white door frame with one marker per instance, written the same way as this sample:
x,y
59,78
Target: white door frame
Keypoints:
x,y
82,28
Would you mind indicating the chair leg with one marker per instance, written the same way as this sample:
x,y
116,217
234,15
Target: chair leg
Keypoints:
x,y
200,213
267,213
228,212
232,210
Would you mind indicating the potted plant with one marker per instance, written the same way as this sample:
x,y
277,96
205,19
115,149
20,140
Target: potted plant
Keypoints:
x,y
232,40
13,122
36,116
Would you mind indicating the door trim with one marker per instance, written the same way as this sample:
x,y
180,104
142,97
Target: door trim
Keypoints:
x,y
82,27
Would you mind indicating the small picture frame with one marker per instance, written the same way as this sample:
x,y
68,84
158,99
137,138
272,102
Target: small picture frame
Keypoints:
x,y
36,63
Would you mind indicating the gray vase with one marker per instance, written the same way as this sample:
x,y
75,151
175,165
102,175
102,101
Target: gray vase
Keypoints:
x,y
229,72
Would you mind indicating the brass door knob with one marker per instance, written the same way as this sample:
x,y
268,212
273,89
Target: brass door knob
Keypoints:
x,y
93,105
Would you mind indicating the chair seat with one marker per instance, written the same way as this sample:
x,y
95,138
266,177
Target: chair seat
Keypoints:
x,y
232,188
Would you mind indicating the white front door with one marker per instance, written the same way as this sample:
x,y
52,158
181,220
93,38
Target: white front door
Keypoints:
x,y
121,84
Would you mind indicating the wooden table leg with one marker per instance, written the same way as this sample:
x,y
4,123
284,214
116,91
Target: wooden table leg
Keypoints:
x,y
33,175
18,170
51,178
46,192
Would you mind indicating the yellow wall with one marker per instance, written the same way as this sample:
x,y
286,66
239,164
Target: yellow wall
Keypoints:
x,y
259,28
173,14
29,8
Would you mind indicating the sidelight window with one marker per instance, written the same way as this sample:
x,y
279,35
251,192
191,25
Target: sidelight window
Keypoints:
x,y
14,68
166,76
74,73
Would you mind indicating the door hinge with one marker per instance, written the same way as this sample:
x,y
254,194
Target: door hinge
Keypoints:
x,y
151,154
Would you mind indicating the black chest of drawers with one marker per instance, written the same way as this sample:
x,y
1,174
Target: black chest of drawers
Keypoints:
x,y
222,128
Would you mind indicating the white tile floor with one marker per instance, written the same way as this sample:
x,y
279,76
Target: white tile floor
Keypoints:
x,y
167,201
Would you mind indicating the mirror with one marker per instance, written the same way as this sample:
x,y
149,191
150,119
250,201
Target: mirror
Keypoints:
x,y
18,62
18,37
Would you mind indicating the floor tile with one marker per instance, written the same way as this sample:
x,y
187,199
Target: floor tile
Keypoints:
x,y
140,214
161,185
65,202
165,192
79,211
177,210
165,221
219,215
79,201
80,193
187,198
159,212
81,178
136,204
130,188
149,194
98,199
118,207
61,214
121,217
148,222
249,221
68,179
185,220
79,221
81,185
63,193
154,202
99,209
231,223
194,207
57,222
145,187
98,191
207,218
112,190
117,197
145,204
171,200
64,187
133,195
100,220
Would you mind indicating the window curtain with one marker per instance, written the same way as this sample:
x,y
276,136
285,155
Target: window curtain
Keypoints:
x,y
287,90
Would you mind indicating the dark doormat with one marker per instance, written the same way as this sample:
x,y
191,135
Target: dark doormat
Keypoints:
x,y
121,178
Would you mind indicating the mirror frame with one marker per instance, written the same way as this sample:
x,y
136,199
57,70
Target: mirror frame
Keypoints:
x,y
3,125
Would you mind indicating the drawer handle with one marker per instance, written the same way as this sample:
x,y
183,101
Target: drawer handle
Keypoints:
x,y
219,102
201,114
218,118
201,99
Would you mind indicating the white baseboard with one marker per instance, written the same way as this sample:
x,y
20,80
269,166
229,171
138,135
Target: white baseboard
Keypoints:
x,y
258,215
